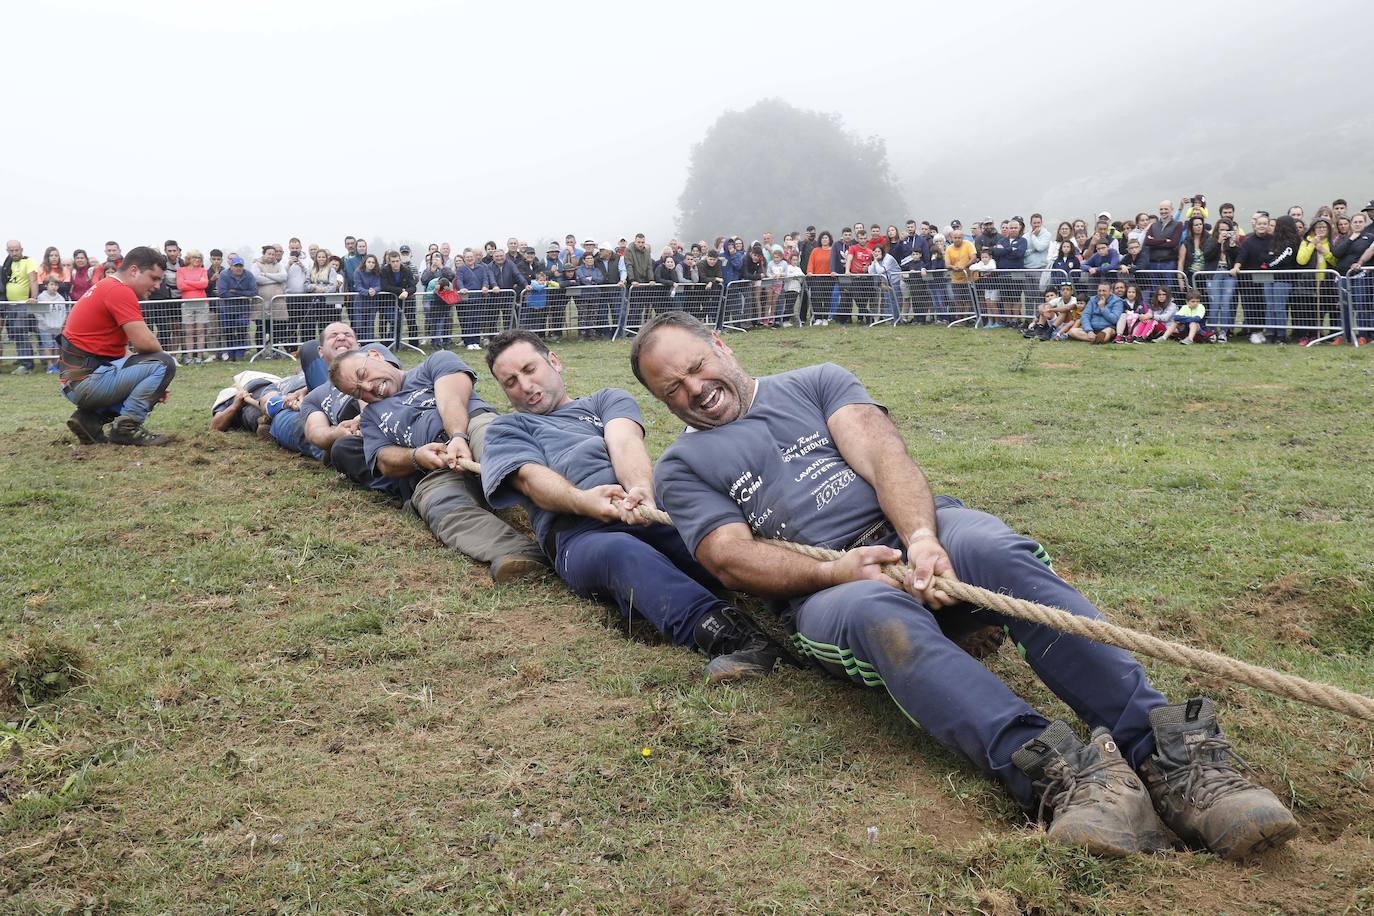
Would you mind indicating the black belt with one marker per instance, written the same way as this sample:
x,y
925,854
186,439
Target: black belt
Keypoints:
x,y
877,533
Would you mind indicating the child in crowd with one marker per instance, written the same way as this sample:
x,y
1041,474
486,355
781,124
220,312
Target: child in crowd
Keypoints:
x,y
1043,315
534,318
1068,312
1131,314
981,274
1160,323
1191,316
51,315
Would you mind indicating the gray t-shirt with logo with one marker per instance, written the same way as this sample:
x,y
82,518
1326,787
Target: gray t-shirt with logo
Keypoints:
x,y
570,440
410,417
776,468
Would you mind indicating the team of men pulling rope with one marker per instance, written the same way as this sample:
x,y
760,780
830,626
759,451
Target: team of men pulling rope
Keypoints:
x,y
798,488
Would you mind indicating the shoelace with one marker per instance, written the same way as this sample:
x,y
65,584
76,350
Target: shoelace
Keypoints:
x,y
1064,784
1211,773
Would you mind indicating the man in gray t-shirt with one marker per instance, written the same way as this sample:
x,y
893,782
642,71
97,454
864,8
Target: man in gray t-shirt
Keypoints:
x,y
808,456
416,427
579,467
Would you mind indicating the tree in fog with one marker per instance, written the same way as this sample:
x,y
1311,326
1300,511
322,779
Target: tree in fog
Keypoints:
x,y
776,167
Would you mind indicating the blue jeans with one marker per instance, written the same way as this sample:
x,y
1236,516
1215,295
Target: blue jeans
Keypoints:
x,y
643,569
126,387
1221,301
312,366
288,430
22,329
880,636
1275,294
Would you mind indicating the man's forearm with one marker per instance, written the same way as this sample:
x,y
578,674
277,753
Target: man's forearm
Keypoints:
x,y
397,461
548,489
904,494
749,565
630,460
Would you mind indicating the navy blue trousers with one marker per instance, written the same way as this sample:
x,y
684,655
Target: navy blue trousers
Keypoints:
x,y
642,569
880,636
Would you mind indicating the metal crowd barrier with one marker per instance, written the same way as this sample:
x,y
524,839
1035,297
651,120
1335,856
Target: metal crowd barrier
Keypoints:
x,y
1012,296
305,315
585,311
1276,303
933,296
838,299
32,329
1359,304
205,329
645,300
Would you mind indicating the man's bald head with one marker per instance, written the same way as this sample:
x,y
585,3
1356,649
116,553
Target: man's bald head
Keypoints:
x,y
337,337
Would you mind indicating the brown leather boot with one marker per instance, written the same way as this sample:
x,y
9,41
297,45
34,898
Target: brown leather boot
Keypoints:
x,y
1094,797
1200,793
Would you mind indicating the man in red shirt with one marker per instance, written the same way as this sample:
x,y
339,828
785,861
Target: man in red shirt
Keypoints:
x,y
99,375
861,292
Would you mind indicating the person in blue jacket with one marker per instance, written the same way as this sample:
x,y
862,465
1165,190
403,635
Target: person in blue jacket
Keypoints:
x,y
367,283
235,288
473,281
1009,251
1100,315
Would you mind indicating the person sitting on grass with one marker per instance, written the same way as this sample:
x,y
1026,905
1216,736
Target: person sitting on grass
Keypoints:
x,y
415,428
1131,310
579,467
1044,315
1191,317
1067,312
1100,315
733,479
1163,308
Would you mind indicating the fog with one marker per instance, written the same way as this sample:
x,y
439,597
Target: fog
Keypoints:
x,y
224,125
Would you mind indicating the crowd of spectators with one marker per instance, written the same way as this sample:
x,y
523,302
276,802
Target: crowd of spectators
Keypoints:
x,y
1187,272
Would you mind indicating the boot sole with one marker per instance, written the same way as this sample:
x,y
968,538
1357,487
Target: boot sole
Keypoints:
x,y
1117,846
519,568
724,674
1264,838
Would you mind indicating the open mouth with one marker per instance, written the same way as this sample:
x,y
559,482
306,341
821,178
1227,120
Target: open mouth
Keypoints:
x,y
710,400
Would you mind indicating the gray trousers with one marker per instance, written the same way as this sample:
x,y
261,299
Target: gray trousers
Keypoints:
x,y
453,507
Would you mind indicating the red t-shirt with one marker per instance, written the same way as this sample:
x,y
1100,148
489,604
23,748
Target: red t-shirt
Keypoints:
x,y
860,257
94,323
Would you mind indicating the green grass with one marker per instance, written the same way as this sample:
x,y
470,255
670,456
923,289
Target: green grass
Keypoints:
x,y
279,693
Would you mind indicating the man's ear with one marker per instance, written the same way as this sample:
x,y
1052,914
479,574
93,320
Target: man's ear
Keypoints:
x,y
721,344
554,361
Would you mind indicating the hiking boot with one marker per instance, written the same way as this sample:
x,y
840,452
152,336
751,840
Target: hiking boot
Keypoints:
x,y
87,427
1199,792
517,566
1094,797
128,431
736,648
983,641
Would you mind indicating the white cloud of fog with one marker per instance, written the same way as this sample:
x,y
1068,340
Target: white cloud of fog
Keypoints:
x,y
228,125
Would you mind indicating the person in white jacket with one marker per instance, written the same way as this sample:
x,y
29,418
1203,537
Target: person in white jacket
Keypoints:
x,y
271,276
1038,241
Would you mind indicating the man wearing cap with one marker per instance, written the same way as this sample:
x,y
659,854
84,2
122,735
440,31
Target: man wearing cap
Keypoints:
x,y
98,374
553,262
236,289
809,456
415,428
610,308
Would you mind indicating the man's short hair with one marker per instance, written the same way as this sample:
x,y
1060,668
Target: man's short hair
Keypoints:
x,y
810,228
216,253
1339,202
638,236
170,243
144,258
507,339
1226,206
112,242
674,319
336,367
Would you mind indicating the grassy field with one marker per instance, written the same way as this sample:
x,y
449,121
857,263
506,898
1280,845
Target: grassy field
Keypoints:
x,y
285,696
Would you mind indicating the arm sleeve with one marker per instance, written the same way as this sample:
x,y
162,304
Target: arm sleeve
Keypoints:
x,y
442,363
697,507
833,387
509,447
124,308
616,403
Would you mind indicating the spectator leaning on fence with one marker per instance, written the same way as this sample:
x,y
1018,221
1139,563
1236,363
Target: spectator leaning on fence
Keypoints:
x,y
97,375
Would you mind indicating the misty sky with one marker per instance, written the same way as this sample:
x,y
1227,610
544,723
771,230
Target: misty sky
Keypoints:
x,y
230,124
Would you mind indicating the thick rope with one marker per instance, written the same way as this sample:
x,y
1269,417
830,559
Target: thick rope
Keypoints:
x,y
1098,630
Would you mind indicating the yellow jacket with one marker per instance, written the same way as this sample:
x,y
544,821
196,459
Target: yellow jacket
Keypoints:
x,y
958,257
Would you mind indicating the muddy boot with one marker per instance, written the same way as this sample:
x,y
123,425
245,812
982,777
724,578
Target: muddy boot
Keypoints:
x,y
736,648
1200,793
1094,797
87,427
518,566
128,431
